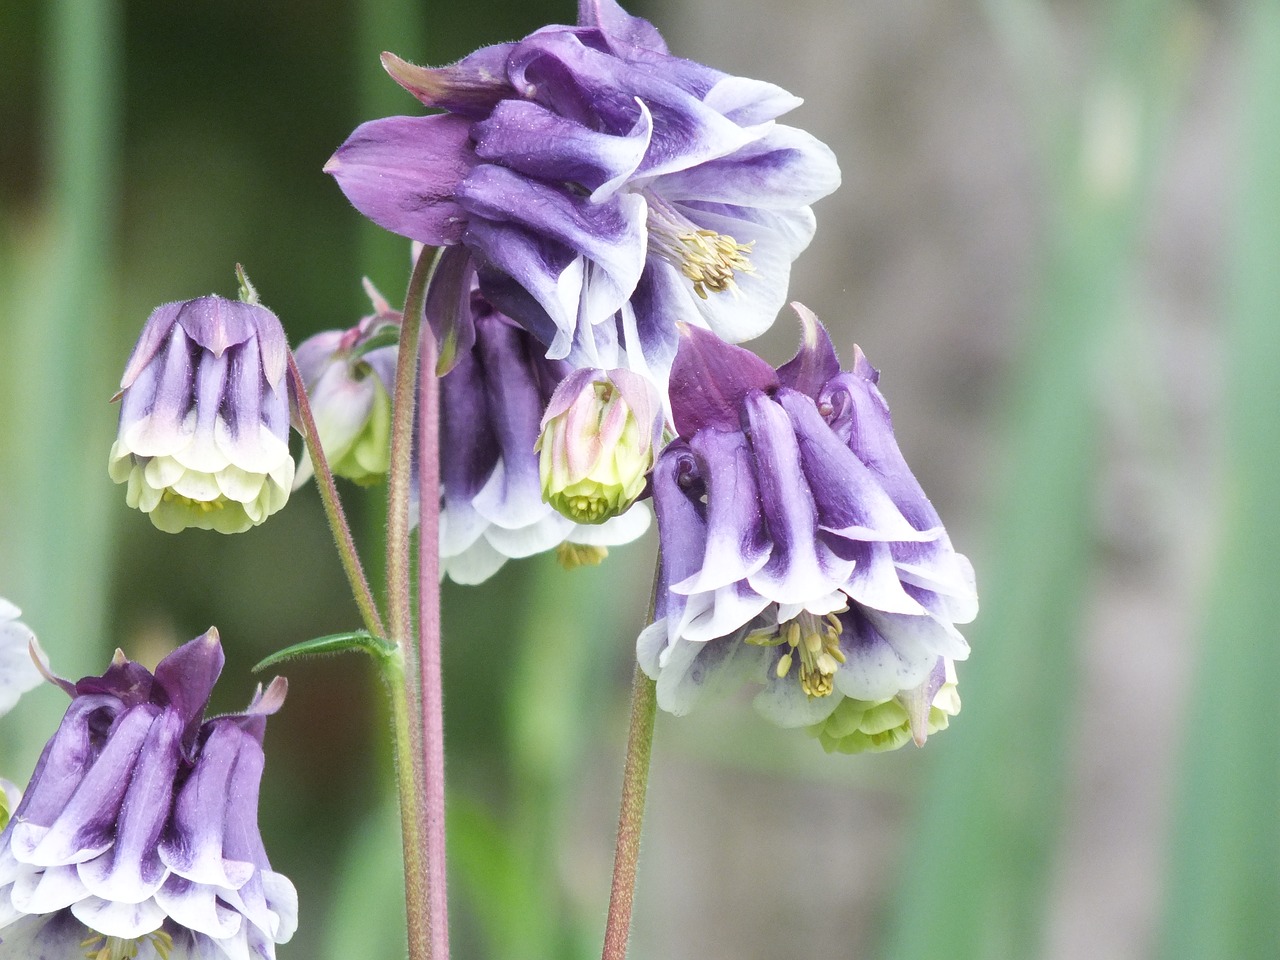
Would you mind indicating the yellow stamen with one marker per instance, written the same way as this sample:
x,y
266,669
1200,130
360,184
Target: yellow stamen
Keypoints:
x,y
99,947
204,506
712,259
574,555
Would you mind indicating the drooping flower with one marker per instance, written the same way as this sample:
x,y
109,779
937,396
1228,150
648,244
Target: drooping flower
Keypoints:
x,y
204,417
138,835
18,672
349,384
599,435
491,410
798,549
603,188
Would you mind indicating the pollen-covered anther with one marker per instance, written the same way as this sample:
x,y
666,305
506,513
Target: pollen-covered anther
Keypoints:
x,y
816,640
99,947
711,260
203,506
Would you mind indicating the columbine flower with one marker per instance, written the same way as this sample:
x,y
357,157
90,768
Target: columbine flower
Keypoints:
x,y
603,188
598,439
349,387
797,548
492,506
18,672
138,835
204,418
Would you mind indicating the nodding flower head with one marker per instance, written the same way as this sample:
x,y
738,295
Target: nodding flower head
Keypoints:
x,y
604,189
138,834
798,550
204,417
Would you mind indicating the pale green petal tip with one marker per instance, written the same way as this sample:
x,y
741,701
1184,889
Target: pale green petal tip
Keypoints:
x,y
173,512
864,726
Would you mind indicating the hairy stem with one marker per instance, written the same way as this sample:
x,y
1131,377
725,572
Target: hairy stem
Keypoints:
x,y
429,644
635,779
333,508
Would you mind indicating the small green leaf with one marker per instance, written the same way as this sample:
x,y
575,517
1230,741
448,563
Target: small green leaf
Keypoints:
x,y
376,647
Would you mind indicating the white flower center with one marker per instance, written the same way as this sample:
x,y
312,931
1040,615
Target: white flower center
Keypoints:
x,y
710,259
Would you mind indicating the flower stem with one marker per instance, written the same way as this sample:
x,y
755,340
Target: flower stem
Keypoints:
x,y
406,697
399,551
432,687
333,508
635,779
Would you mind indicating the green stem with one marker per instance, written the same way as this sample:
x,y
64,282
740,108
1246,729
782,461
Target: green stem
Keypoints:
x,y
347,552
399,551
635,779
406,693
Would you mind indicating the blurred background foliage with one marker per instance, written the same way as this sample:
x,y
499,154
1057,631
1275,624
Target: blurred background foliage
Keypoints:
x,y
1058,237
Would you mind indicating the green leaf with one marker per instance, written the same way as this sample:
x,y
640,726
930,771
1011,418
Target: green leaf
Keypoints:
x,y
362,640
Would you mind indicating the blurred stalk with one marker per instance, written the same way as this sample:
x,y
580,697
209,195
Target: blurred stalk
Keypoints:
x,y
59,430
1225,860
976,874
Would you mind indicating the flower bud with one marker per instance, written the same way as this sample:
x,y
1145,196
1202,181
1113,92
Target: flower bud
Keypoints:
x,y
204,417
597,443
349,387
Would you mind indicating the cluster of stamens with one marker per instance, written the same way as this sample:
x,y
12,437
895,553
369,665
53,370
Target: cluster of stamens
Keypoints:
x,y
204,506
574,555
711,259
99,947
816,642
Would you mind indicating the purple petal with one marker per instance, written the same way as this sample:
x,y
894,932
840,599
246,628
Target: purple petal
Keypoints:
x,y
682,525
610,233
403,173
188,675
626,33
737,541
800,567
448,307
154,334
861,418
471,87
710,379
851,501
815,363
534,141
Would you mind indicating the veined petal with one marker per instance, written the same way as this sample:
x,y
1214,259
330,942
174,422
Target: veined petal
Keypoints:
x,y
783,169
737,539
403,173
539,143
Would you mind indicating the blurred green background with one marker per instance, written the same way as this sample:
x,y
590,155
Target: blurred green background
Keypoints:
x,y
1059,238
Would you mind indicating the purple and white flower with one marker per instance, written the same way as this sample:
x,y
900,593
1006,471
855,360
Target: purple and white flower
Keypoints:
x,y
603,188
798,549
204,417
138,834
349,384
492,403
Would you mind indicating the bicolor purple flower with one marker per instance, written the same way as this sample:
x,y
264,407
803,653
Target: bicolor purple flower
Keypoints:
x,y
138,835
349,384
603,188
492,509
798,549
204,417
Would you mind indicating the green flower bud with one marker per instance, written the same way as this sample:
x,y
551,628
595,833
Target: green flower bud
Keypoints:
x,y
597,443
